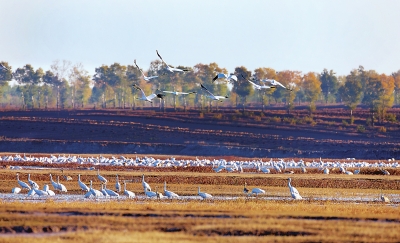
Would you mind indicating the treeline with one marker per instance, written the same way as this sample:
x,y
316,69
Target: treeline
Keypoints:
x,y
67,86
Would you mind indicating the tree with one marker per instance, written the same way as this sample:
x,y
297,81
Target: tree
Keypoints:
x,y
5,74
242,87
30,80
265,73
329,83
386,99
373,91
396,77
292,80
81,83
351,92
312,89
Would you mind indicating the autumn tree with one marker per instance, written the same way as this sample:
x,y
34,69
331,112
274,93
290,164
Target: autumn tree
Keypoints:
x,y
261,74
81,81
386,99
5,76
312,89
291,80
329,83
396,76
350,92
242,87
30,81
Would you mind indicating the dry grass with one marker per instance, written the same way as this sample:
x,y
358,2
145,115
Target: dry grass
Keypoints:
x,y
216,221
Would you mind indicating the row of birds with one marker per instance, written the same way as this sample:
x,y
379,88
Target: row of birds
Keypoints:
x,y
233,165
33,188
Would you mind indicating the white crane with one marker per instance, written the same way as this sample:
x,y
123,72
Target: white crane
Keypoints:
x,y
100,177
127,193
159,194
231,77
23,184
53,183
31,192
275,83
60,186
16,190
169,194
40,192
103,191
255,190
145,185
111,193
178,92
293,191
149,193
117,185
48,191
203,195
171,69
82,185
94,192
258,87
32,183
144,76
147,98
213,97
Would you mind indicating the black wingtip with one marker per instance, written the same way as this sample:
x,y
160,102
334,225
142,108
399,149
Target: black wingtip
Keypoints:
x,y
215,78
203,86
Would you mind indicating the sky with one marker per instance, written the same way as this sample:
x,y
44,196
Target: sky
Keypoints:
x,y
301,35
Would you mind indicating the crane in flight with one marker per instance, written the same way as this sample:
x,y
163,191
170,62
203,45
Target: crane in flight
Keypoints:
x,y
147,98
169,68
231,77
259,87
212,96
144,76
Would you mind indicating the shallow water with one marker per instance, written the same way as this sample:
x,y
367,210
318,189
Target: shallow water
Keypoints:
x,y
9,197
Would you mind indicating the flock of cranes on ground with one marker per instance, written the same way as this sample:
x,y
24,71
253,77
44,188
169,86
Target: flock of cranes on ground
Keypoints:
x,y
33,188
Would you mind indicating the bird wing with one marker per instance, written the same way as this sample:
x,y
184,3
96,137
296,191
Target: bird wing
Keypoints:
x,y
138,88
139,68
169,92
255,85
152,96
3,67
233,77
215,78
161,96
202,86
161,58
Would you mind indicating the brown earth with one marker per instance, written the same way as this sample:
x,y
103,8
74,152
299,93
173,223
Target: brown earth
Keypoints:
x,y
226,132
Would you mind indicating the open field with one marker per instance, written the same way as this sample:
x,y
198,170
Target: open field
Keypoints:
x,y
228,132
335,207
347,205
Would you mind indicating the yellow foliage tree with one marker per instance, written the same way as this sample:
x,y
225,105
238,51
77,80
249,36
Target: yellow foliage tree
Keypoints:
x,y
312,89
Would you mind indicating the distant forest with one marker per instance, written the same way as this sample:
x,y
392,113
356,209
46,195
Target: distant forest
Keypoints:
x,y
68,86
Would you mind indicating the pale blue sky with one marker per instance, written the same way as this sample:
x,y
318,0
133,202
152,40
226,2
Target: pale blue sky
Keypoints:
x,y
284,35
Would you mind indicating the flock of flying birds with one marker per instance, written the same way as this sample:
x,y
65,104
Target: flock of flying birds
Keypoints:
x,y
230,78
33,188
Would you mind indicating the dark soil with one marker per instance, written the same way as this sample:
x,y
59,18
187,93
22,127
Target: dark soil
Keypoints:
x,y
273,133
